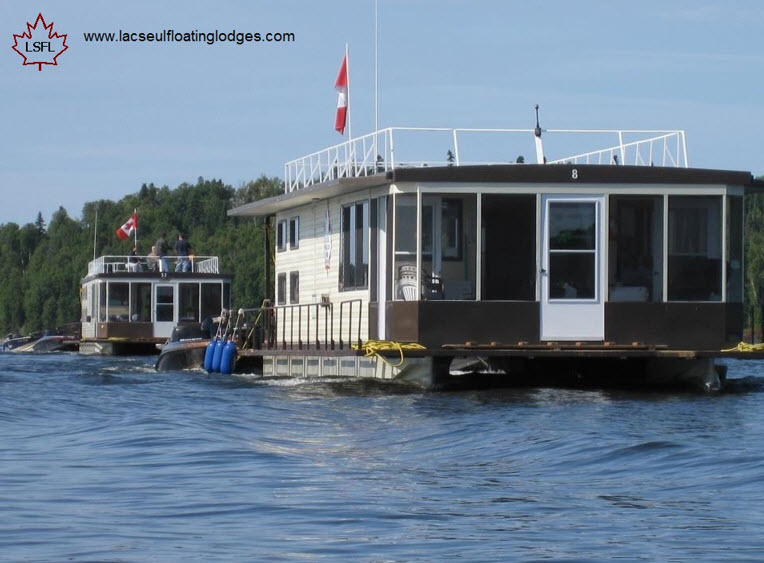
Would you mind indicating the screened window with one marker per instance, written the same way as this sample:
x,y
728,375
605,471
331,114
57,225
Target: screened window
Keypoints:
x,y
188,302
102,302
735,249
354,256
635,253
140,302
695,248
211,305
119,299
451,229
227,295
509,247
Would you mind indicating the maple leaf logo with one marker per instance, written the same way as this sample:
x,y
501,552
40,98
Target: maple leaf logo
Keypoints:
x,y
40,46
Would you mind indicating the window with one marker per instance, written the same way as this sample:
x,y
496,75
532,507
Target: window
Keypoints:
x,y
210,300
92,298
165,305
294,287
294,232
509,247
635,253
572,249
354,256
281,289
102,302
734,249
227,295
119,295
451,229
188,302
695,248
140,302
281,236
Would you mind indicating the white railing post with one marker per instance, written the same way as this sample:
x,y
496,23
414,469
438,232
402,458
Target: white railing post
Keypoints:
x,y
392,150
456,148
620,144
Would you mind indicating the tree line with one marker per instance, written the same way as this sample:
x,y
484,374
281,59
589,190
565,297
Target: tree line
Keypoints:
x,y
42,264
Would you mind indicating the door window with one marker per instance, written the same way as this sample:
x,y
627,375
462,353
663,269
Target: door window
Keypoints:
x,y
572,250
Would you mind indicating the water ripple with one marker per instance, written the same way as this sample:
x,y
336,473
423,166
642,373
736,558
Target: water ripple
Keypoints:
x,y
106,460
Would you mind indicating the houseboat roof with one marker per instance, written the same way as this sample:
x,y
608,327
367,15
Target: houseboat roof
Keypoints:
x,y
506,174
636,157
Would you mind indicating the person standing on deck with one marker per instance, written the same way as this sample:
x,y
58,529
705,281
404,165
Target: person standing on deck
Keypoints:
x,y
133,263
182,248
161,248
152,259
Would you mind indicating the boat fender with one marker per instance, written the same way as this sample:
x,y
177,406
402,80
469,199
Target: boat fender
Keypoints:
x,y
218,355
208,354
228,358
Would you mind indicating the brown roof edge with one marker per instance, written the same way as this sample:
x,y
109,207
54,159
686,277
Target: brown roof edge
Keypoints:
x,y
563,173
504,173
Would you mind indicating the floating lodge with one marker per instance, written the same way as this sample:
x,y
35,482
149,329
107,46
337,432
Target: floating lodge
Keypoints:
x,y
129,306
620,262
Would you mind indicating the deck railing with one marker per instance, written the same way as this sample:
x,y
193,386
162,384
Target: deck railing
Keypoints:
x,y
310,326
130,264
413,147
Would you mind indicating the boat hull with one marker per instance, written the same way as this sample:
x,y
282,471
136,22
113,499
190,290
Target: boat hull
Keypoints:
x,y
180,355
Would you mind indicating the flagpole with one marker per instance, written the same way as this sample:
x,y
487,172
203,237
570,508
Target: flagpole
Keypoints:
x,y
376,82
135,214
95,233
347,64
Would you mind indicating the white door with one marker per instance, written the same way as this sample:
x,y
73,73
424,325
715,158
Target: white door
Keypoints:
x,y
572,268
164,310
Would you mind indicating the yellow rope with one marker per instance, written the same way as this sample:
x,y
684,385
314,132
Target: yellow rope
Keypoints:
x,y
374,347
745,347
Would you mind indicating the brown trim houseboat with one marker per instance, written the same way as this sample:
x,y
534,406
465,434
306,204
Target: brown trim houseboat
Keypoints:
x,y
614,263
130,307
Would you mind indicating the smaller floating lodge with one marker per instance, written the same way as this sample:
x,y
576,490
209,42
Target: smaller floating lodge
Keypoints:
x,y
130,307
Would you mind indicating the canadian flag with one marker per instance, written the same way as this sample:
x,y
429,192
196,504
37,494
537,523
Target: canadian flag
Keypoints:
x,y
341,85
129,227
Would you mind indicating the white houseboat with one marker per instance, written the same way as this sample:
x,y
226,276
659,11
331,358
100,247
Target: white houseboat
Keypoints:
x,y
130,307
611,263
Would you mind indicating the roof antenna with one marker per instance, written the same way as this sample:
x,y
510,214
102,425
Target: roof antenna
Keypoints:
x,y
540,158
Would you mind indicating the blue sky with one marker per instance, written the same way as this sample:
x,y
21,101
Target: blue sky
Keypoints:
x,y
110,117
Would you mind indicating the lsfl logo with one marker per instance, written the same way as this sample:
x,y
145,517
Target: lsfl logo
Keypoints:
x,y
40,45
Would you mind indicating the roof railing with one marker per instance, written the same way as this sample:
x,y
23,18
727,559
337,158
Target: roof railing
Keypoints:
x,y
136,264
405,147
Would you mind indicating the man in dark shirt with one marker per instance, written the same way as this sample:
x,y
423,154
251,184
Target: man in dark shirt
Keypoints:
x,y
161,250
182,249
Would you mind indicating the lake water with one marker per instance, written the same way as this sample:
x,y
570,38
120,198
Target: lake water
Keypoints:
x,y
106,460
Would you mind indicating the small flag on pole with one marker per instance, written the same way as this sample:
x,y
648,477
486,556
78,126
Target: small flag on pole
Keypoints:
x,y
341,85
129,227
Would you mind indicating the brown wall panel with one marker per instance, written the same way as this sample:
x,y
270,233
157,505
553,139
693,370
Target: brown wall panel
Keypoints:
x,y
686,326
434,323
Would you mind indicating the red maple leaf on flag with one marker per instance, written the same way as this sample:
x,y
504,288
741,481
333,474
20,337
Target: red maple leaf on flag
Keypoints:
x,y
40,46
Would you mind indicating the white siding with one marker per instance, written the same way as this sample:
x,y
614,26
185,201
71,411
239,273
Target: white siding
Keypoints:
x,y
315,279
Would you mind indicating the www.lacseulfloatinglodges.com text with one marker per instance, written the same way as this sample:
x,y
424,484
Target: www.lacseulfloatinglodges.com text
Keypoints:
x,y
196,36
